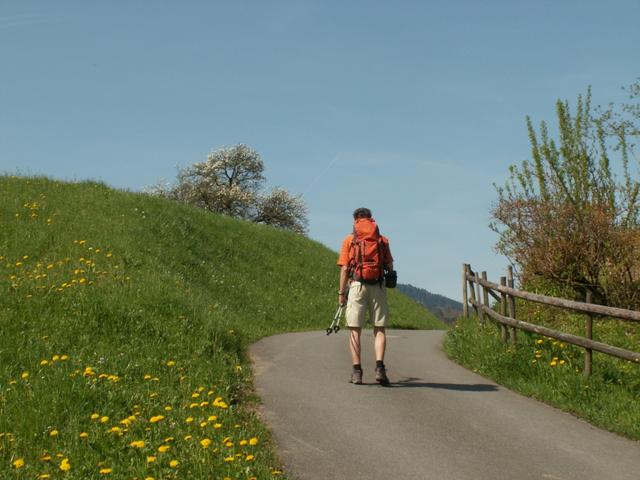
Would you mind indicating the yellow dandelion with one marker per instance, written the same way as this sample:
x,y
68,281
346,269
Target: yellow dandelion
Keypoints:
x,y
84,435
205,442
64,357
188,437
151,459
243,443
156,418
18,463
217,425
45,458
105,471
228,444
253,441
203,424
95,416
195,395
65,466
171,363
104,419
43,476
44,362
189,419
24,375
168,408
115,430
137,444
212,418
53,433
147,377
174,463
248,458
229,459
164,448
55,358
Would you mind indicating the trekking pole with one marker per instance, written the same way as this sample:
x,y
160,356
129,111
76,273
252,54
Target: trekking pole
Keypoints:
x,y
335,325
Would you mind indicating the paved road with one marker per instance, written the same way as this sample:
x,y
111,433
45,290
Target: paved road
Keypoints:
x,y
437,420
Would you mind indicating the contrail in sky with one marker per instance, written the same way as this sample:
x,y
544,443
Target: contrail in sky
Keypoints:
x,y
315,180
12,21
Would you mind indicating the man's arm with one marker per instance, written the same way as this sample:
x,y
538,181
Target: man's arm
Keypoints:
x,y
342,289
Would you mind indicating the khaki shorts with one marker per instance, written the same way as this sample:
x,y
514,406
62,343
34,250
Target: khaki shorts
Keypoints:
x,y
365,298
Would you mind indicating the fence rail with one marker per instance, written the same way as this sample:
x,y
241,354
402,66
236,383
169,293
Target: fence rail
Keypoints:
x,y
476,290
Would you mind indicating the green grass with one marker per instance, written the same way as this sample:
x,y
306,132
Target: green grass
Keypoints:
x,y
132,307
552,371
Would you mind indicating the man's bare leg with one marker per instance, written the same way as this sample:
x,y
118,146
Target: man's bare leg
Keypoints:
x,y
380,342
354,344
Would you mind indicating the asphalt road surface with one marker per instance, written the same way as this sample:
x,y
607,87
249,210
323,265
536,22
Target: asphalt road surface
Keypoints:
x,y
437,420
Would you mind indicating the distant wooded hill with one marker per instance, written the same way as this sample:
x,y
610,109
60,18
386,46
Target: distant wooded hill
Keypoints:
x,y
442,307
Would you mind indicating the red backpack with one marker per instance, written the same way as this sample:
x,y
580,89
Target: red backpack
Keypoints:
x,y
368,253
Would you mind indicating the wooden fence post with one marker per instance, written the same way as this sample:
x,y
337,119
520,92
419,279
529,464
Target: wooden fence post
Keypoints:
x,y
465,295
485,294
503,310
479,298
588,353
512,305
472,291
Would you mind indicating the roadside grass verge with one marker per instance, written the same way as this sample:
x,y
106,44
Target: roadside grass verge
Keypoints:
x,y
125,323
551,371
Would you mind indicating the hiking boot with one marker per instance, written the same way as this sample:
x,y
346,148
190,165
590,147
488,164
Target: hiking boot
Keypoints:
x,y
356,377
381,376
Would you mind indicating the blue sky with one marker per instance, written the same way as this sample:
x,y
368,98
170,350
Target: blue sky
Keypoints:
x,y
413,109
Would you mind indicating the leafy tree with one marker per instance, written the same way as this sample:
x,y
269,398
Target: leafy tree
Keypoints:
x,y
283,210
565,217
229,182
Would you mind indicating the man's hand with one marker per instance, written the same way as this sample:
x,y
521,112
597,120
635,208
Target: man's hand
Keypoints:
x,y
342,298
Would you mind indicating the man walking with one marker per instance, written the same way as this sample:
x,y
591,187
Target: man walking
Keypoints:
x,y
364,258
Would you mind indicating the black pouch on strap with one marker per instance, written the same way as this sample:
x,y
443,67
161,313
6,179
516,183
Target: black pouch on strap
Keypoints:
x,y
391,279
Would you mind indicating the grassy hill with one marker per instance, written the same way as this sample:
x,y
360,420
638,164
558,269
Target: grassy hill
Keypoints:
x,y
125,320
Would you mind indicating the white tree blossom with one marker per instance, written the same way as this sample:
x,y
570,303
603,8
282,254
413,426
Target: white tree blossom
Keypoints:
x,y
229,182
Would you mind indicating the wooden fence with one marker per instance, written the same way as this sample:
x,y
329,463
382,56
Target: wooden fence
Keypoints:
x,y
476,290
